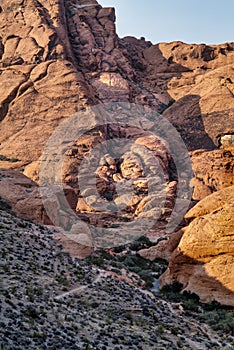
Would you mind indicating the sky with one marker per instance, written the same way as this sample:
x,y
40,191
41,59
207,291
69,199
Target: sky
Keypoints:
x,y
190,21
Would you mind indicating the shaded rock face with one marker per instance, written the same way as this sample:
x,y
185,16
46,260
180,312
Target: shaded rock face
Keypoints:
x,y
93,38
196,80
202,88
204,259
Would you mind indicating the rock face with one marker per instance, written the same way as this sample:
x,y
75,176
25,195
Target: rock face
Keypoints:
x,y
56,59
134,183
39,83
23,196
213,171
59,58
164,248
199,80
204,259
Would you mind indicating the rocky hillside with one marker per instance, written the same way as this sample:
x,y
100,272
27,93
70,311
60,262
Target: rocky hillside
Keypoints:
x,y
51,301
62,62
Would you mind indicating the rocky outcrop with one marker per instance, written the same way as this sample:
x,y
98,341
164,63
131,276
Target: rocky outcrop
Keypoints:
x,y
94,40
163,249
196,80
136,182
57,59
23,196
213,171
204,259
40,85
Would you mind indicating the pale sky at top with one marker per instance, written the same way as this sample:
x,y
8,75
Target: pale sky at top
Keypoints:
x,y
191,21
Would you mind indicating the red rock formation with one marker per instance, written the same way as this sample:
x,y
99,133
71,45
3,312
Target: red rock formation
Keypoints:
x,y
23,196
58,58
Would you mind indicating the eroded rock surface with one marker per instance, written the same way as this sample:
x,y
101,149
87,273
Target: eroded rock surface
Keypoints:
x,y
58,58
23,196
213,171
204,259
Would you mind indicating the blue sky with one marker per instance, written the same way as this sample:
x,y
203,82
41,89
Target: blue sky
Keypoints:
x,y
194,21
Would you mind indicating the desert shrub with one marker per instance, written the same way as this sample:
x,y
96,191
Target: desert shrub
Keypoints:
x,y
146,275
31,312
141,243
62,280
98,261
172,291
191,304
114,225
119,248
128,260
4,205
219,319
12,160
160,329
2,157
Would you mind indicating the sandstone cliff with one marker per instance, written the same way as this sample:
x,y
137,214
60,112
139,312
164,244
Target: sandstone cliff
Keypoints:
x,y
203,260
59,58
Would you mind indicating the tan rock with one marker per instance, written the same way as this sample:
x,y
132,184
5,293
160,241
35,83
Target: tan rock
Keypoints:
x,y
204,259
77,242
163,249
111,87
213,171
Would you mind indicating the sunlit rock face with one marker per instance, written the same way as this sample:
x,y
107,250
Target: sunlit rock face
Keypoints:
x,y
204,258
227,141
23,196
213,170
58,58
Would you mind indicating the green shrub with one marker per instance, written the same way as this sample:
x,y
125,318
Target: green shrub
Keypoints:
x,y
160,329
4,205
12,160
217,317
220,319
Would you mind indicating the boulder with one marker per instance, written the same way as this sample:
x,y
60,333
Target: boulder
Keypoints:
x,y
23,196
